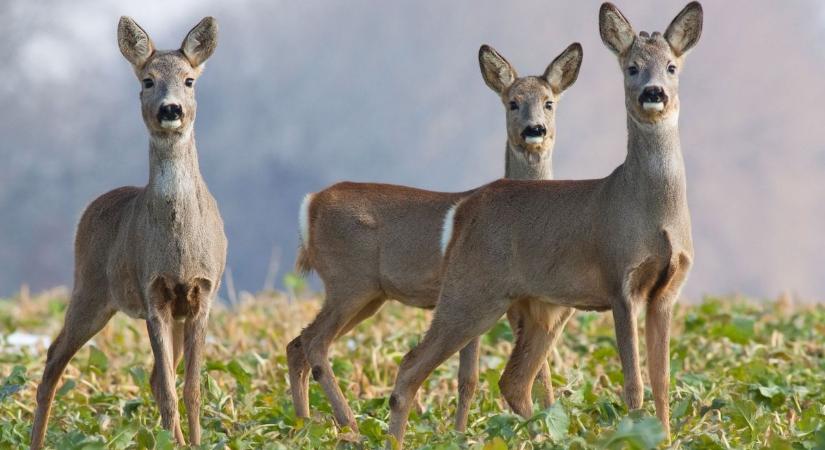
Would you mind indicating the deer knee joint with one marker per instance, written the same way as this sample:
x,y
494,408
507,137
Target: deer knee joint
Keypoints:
x,y
395,403
317,373
294,350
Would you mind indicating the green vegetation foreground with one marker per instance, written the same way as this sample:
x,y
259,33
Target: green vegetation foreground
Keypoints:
x,y
744,375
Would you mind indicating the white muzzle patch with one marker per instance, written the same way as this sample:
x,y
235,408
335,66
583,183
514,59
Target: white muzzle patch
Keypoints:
x,y
170,124
534,139
649,106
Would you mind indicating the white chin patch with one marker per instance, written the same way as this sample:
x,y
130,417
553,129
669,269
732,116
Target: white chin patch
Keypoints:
x,y
170,124
648,106
533,139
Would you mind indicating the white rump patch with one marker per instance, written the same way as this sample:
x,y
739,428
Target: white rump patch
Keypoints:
x,y
534,139
303,220
650,106
170,124
447,228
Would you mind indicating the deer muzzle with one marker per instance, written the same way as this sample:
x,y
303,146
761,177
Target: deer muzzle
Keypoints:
x,y
534,134
170,115
653,98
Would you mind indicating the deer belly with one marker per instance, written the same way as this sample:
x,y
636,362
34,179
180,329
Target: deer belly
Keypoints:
x,y
583,304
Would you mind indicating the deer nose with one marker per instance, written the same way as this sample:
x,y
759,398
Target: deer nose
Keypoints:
x,y
653,94
170,112
534,131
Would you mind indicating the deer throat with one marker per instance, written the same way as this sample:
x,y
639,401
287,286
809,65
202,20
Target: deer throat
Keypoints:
x,y
522,164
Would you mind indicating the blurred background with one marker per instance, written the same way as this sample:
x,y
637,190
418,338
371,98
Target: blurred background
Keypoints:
x,y
303,94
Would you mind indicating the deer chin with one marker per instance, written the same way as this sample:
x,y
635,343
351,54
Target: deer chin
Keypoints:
x,y
171,124
651,106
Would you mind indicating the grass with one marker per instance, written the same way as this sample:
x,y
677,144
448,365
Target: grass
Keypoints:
x,y
744,376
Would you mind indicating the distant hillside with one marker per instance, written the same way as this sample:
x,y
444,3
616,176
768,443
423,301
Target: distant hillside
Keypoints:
x,y
302,94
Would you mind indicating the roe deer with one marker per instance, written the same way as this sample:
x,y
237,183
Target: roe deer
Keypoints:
x,y
373,242
617,243
155,253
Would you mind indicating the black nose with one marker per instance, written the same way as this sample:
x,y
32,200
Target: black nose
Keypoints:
x,y
170,112
534,131
653,94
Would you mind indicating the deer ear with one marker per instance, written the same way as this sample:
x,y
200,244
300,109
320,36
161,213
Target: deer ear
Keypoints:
x,y
134,43
497,72
683,33
201,41
563,71
617,33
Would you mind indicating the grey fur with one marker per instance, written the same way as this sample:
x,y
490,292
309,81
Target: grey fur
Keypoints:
x,y
155,253
618,243
392,248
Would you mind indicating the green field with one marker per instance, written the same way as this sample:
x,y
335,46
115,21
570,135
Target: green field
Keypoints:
x,y
744,375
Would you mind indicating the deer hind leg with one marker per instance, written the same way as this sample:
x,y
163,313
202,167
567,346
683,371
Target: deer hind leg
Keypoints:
x,y
340,312
514,317
458,319
538,330
177,343
299,367
84,319
159,325
298,376
467,381
547,397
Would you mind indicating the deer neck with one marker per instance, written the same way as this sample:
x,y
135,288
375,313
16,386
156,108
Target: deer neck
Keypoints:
x,y
174,174
654,168
523,165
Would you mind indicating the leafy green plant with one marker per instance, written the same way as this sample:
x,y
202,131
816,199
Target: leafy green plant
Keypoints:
x,y
744,375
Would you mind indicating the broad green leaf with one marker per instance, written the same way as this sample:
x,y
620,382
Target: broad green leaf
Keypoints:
x,y
496,443
67,386
98,360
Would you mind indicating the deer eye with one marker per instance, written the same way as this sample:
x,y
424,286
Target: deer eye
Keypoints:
x,y
148,82
513,106
189,82
671,69
632,70
548,105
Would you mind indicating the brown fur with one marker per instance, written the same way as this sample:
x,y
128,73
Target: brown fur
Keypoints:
x,y
373,242
616,243
155,253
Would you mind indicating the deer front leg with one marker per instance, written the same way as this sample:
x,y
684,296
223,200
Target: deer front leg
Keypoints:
x,y
194,336
163,376
159,324
467,382
627,339
657,333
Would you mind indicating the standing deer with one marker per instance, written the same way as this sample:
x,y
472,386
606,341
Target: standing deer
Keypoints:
x,y
618,243
373,242
156,253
